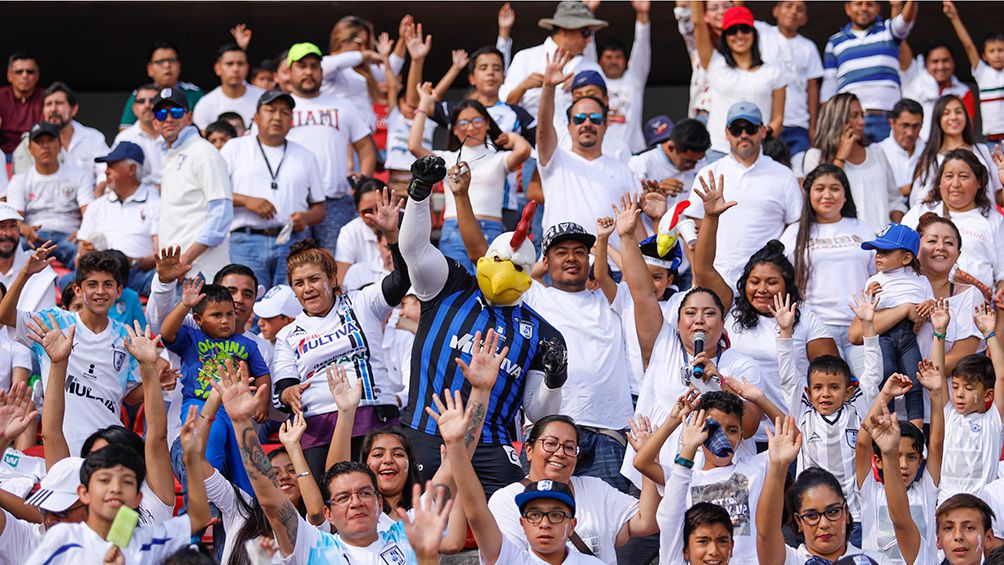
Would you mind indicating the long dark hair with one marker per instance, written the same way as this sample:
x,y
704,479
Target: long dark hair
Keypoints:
x,y
809,479
493,128
927,162
726,52
978,168
773,253
803,263
413,477
255,522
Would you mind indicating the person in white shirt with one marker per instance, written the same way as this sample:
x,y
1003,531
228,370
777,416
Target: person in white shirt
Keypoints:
x,y
277,188
79,144
626,79
799,59
988,71
57,501
40,291
275,310
51,196
197,205
903,147
144,133
125,217
591,83
358,239
930,76
679,149
572,28
699,90
768,195
233,94
328,125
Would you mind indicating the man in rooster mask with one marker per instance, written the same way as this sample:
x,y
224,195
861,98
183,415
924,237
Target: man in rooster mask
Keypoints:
x,y
455,307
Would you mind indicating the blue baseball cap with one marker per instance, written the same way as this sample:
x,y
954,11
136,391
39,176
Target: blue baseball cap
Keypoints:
x,y
585,78
658,129
546,489
744,111
121,152
895,236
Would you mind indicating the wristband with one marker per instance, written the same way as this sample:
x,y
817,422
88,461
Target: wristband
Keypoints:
x,y
939,336
303,474
990,335
684,462
205,418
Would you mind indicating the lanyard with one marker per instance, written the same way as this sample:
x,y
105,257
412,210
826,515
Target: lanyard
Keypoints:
x,y
275,185
687,372
686,358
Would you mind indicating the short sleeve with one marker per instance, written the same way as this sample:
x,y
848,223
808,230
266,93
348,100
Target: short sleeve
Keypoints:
x,y
793,199
789,239
558,159
696,208
182,341
16,193
618,507
86,228
980,71
155,544
778,79
814,327
814,67
315,191
357,127
20,356
85,188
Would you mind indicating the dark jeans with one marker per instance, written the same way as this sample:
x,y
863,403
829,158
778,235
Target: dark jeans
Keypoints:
x,y
796,138
601,456
876,127
900,354
496,465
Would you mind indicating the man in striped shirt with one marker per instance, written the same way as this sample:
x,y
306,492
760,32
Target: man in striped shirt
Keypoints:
x,y
863,58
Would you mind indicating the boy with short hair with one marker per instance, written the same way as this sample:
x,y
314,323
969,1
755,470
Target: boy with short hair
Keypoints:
x,y
202,350
101,374
988,71
110,480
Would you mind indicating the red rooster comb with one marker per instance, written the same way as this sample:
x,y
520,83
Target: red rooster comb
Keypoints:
x,y
523,228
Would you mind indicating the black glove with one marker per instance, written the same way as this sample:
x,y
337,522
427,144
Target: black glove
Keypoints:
x,y
554,358
425,172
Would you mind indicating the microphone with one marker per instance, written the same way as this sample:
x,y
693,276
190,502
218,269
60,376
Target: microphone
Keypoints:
x,y
699,339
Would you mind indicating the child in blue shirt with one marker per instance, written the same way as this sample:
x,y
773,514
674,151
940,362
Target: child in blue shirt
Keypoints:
x,y
204,346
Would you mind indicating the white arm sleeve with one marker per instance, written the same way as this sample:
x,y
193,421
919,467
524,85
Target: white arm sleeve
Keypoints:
x,y
538,400
789,374
331,65
869,381
427,266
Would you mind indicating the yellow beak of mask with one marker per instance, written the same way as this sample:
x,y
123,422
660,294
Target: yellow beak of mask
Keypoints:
x,y
504,271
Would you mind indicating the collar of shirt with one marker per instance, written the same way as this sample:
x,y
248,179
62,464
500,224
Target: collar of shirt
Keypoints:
x,y
877,26
139,131
743,169
184,136
662,151
141,194
892,145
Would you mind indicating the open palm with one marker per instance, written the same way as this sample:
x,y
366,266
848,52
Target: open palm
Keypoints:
x,y
449,416
56,344
485,362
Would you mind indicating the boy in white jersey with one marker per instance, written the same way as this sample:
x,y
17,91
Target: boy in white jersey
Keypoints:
x,y
973,420
988,72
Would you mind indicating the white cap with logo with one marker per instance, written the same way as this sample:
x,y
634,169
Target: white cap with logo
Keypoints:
x,y
279,299
59,487
7,212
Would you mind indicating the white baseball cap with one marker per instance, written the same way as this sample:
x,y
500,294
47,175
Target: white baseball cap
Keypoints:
x,y
279,299
59,487
7,212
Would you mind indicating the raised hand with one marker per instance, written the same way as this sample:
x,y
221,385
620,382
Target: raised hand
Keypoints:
x,y
784,311
234,388
864,305
14,412
347,397
169,265
384,45
430,516
554,71
459,176
387,214
292,430
604,227
713,195
419,45
189,433
685,404
929,376
948,8
884,429
507,19
486,361
460,59
998,157
896,385
406,29
640,432
941,315
57,345
783,446
846,143
39,259
627,215
744,389
985,318
653,201
450,417
242,36
142,344
695,432
426,97
191,292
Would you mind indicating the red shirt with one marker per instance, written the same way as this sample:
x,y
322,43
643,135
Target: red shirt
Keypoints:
x,y
17,117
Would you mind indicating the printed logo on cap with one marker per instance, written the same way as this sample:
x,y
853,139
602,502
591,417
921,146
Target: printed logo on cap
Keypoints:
x,y
165,92
271,292
885,230
544,485
661,127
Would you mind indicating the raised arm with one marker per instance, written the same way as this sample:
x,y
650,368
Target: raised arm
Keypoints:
x,y
884,428
601,269
986,321
554,74
394,286
347,398
427,266
470,229
703,267
702,36
198,501
418,46
972,54
426,105
37,262
425,529
931,378
646,459
644,522
191,295
460,59
870,381
290,434
647,312
58,347
784,315
16,414
783,447
895,386
163,288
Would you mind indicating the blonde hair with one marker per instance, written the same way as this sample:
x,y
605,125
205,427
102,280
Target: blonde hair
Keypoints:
x,y
830,125
343,32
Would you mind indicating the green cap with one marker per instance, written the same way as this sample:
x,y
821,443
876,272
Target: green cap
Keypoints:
x,y
301,50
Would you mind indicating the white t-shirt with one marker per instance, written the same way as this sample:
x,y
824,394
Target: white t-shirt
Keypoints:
x,y
601,511
99,374
596,392
631,346
903,164
923,184
357,243
534,60
961,306
992,494
12,355
19,473
876,527
512,554
215,102
362,274
18,539
578,190
626,95
399,158
873,186
221,493
837,266
72,544
152,510
917,84
341,78
729,85
972,449
128,226
298,181
801,555
327,125
39,292
655,164
901,286
488,180
52,201
990,81
317,547
154,153
768,198
982,239
799,60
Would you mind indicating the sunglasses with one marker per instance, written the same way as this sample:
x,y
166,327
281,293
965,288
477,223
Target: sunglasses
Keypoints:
x,y
738,28
166,61
594,117
738,129
175,112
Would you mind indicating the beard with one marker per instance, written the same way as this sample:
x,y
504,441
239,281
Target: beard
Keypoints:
x,y
8,247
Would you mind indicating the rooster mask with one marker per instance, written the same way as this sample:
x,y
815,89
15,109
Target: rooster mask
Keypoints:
x,y
504,271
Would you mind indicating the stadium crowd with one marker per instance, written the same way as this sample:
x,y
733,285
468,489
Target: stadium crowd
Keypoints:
x,y
277,322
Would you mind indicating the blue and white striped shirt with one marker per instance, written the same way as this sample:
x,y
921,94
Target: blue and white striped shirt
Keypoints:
x,y
865,63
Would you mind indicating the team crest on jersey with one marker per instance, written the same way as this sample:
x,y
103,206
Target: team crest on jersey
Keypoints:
x,y
851,436
120,307
393,556
181,161
976,427
118,359
525,329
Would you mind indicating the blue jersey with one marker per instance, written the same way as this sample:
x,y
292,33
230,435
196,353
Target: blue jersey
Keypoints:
x,y
446,331
201,355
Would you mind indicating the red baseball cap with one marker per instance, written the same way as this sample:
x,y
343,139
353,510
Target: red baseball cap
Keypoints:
x,y
737,15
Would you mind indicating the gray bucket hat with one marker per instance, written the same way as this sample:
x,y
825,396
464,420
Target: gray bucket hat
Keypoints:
x,y
572,14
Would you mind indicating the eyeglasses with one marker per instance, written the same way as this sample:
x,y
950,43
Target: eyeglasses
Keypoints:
x,y
365,495
832,514
594,117
175,112
554,517
738,129
478,122
551,445
738,28
165,61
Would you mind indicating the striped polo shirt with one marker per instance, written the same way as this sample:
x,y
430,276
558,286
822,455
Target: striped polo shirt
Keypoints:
x,y
865,63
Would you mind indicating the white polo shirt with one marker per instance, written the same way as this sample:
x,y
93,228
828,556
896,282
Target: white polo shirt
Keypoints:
x,y
129,225
298,181
326,125
769,199
52,201
903,164
154,153
215,102
357,243
194,174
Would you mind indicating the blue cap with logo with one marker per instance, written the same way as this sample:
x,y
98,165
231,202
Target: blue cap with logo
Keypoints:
x,y
546,489
744,111
658,129
895,236
585,78
121,152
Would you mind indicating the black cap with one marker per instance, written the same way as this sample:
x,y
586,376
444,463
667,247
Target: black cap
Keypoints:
x,y
43,128
170,96
270,96
566,230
